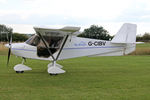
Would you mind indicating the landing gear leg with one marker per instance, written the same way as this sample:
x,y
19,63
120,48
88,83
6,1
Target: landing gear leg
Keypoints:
x,y
54,69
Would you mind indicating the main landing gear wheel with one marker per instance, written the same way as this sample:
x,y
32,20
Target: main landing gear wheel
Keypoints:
x,y
19,71
54,69
53,74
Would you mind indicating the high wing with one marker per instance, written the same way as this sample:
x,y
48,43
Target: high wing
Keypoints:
x,y
53,40
68,30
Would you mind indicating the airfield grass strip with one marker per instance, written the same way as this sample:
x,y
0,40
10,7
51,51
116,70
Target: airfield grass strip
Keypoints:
x,y
142,49
87,78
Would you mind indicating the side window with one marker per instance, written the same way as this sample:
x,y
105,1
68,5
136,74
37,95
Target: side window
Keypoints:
x,y
56,42
34,40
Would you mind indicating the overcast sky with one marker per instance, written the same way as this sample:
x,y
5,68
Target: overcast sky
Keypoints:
x,y
22,15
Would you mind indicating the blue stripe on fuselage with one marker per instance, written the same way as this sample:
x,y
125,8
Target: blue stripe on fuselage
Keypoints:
x,y
73,48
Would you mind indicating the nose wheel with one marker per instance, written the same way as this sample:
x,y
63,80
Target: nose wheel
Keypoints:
x,y
20,68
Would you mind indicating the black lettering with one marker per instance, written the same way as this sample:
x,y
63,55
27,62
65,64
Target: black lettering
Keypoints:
x,y
90,43
97,43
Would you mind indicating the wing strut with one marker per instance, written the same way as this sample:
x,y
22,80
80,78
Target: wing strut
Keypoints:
x,y
62,47
43,40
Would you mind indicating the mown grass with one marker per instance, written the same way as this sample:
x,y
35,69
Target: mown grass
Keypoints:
x,y
142,49
3,49
96,78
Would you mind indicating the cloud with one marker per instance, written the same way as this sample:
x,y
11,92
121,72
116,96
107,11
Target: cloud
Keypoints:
x,y
139,11
89,9
83,13
2,1
95,10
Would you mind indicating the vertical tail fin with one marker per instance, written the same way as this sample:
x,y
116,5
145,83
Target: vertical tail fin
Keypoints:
x,y
126,34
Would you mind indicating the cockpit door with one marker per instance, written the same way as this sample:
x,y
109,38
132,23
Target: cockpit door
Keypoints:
x,y
54,43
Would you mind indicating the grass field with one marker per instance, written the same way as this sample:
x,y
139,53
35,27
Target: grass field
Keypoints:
x,y
87,78
3,50
142,49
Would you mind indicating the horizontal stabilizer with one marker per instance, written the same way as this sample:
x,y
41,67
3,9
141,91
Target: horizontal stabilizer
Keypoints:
x,y
126,34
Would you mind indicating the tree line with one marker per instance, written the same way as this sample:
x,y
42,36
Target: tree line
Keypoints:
x,y
94,32
143,38
6,31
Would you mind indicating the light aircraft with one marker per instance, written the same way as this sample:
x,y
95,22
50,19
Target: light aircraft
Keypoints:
x,y
59,44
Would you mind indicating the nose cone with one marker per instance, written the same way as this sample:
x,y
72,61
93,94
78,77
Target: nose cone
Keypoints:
x,y
7,45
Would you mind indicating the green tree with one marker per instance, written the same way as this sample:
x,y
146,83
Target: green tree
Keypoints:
x,y
4,32
95,32
19,37
144,38
139,38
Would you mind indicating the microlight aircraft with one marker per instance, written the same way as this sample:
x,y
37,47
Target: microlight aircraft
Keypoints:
x,y
59,44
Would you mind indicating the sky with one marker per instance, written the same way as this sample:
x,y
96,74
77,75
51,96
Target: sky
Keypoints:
x,y
23,15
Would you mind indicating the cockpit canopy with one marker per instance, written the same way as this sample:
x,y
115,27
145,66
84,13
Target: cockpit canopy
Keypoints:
x,y
54,42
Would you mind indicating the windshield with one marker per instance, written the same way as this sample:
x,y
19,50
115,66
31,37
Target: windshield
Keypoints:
x,y
34,40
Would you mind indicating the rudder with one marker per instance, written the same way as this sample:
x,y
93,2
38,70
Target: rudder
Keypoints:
x,y
126,34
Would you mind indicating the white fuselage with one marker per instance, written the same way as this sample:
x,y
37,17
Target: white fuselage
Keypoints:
x,y
76,47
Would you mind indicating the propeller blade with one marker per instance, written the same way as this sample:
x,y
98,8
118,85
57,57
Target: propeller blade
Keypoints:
x,y
43,40
9,52
10,42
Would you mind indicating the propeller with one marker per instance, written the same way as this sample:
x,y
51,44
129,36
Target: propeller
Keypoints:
x,y
10,42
